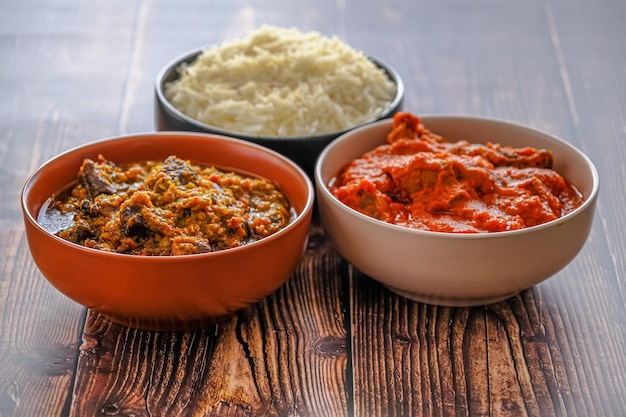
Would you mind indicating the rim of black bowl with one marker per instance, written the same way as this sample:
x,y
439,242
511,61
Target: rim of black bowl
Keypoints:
x,y
169,73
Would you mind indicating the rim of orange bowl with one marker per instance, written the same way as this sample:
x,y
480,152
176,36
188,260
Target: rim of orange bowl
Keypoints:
x,y
322,186
307,208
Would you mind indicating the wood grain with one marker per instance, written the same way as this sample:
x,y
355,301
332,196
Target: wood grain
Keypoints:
x,y
284,356
39,337
331,341
507,358
525,356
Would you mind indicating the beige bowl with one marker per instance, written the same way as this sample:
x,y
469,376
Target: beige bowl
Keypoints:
x,y
457,269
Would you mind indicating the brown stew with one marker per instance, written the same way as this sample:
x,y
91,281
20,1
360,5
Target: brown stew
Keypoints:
x,y
171,207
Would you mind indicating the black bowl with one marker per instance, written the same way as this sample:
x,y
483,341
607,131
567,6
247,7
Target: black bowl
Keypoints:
x,y
302,150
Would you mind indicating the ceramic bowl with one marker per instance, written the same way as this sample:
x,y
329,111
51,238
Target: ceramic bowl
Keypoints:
x,y
457,269
303,150
169,292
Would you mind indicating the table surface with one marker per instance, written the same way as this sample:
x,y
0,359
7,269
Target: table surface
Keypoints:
x,y
331,341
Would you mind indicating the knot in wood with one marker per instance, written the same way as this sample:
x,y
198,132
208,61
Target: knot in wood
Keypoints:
x,y
330,346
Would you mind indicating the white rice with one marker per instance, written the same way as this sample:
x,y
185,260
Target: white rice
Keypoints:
x,y
282,83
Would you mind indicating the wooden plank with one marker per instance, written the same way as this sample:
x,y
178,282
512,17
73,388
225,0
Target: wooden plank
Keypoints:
x,y
284,356
60,84
547,351
590,42
40,331
518,357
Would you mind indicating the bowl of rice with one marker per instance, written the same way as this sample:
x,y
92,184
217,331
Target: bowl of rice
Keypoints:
x,y
291,91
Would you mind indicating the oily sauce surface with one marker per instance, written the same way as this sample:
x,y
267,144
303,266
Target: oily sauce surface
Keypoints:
x,y
420,180
170,207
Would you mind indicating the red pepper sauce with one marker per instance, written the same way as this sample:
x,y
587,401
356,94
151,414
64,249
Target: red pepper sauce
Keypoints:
x,y
421,181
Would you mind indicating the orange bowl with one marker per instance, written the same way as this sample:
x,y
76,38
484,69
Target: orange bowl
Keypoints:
x,y
169,292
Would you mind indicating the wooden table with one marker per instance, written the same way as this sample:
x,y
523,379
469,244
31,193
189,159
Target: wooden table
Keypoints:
x,y
331,341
